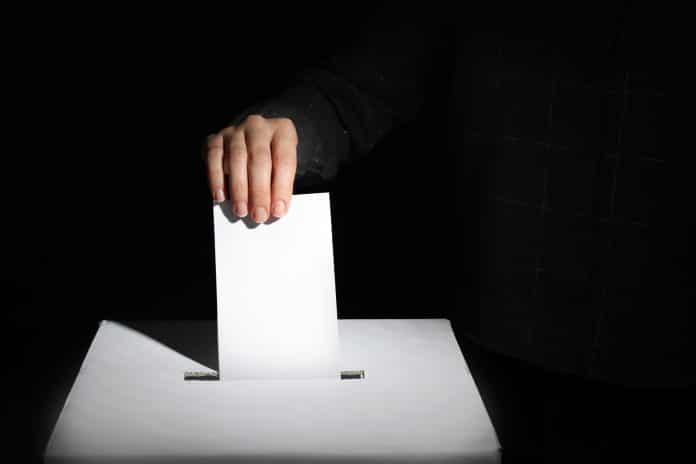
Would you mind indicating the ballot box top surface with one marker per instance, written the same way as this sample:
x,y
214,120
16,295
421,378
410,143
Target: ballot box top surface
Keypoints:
x,y
417,403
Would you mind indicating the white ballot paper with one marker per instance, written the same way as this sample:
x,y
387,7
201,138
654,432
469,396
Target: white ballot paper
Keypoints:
x,y
276,297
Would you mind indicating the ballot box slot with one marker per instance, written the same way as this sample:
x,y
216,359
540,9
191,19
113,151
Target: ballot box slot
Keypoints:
x,y
201,375
212,375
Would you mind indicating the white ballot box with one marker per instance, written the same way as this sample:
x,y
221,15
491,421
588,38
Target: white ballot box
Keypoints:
x,y
416,403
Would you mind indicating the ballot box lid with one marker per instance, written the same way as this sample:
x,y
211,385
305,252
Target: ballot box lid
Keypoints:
x,y
416,403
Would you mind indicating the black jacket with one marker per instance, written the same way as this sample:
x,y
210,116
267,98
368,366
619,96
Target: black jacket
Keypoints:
x,y
559,131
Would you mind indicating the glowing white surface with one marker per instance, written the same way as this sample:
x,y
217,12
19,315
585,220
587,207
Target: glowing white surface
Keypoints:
x,y
418,403
276,293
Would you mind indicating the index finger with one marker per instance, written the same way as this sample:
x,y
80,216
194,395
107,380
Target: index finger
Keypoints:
x,y
284,154
213,158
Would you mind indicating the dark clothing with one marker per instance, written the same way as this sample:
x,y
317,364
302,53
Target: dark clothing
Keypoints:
x,y
558,131
545,416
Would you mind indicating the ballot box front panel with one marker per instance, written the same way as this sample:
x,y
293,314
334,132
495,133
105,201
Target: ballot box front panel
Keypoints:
x,y
416,403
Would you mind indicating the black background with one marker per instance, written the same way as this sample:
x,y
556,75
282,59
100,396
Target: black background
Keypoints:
x,y
106,210
106,213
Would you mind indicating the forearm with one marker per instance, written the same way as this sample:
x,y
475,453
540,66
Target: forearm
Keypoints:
x,y
345,105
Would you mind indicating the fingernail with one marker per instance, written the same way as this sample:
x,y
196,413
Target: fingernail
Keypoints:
x,y
260,214
279,208
240,209
219,196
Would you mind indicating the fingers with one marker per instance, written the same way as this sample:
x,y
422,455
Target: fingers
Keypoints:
x,y
236,168
216,178
284,156
258,135
259,159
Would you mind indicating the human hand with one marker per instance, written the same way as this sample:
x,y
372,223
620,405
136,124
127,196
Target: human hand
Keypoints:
x,y
254,165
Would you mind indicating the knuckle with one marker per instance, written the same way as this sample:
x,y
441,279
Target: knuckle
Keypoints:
x,y
287,131
214,144
283,164
283,153
255,120
292,138
215,147
239,185
216,178
214,155
284,124
282,188
260,194
260,154
215,174
236,153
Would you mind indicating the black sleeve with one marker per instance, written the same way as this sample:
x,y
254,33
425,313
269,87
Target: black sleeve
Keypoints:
x,y
344,105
